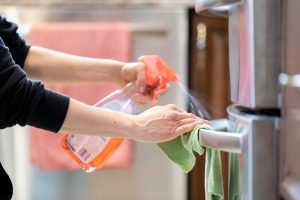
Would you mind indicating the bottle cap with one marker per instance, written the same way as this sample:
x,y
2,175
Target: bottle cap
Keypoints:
x,y
158,73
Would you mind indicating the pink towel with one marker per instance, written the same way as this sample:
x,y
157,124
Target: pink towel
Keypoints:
x,y
98,40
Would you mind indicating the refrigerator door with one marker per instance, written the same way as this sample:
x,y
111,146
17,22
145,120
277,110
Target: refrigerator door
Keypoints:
x,y
254,48
253,173
202,5
289,133
290,162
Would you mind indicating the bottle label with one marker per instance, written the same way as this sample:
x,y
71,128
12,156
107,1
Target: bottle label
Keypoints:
x,y
86,147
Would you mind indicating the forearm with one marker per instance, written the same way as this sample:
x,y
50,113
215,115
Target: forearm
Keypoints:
x,y
88,120
59,68
27,102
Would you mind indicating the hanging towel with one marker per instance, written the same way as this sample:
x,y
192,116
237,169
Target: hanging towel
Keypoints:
x,y
234,182
97,40
181,152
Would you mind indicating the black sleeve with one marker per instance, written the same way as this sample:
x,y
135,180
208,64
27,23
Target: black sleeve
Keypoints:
x,y
16,45
24,101
6,191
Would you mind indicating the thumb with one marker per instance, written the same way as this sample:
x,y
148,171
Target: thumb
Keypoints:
x,y
130,71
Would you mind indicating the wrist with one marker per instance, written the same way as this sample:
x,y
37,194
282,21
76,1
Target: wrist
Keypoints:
x,y
107,70
129,71
136,129
127,74
127,125
116,68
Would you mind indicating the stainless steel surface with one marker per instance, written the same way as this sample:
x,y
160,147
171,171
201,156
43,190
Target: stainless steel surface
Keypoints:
x,y
255,61
223,141
290,163
219,139
254,48
257,165
202,5
219,124
289,80
290,134
291,188
255,27
234,51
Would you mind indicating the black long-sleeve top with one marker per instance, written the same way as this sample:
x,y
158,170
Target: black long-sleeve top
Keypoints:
x,y
23,101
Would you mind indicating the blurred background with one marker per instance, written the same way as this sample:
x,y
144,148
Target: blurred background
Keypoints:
x,y
195,46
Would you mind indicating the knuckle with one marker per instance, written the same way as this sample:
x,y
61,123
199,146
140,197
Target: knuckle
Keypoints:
x,y
186,129
172,106
191,115
172,114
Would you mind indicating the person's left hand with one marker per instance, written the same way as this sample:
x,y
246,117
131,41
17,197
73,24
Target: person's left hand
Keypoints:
x,y
144,93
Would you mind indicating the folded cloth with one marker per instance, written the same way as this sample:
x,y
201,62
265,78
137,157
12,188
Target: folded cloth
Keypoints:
x,y
181,152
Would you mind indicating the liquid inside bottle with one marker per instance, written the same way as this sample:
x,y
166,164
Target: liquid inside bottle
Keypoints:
x,y
92,152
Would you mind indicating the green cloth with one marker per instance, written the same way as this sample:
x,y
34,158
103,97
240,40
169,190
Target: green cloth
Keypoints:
x,y
234,183
181,151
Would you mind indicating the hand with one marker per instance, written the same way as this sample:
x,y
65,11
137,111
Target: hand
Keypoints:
x,y
144,94
163,123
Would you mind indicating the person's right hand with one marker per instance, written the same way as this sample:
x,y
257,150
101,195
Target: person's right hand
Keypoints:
x,y
163,123
144,93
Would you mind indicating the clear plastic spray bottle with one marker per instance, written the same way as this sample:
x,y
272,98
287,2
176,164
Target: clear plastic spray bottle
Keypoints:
x,y
92,152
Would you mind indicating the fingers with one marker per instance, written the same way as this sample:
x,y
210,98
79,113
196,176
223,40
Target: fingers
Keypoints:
x,y
174,107
129,72
163,123
184,122
173,112
187,127
141,81
158,92
141,100
182,115
136,72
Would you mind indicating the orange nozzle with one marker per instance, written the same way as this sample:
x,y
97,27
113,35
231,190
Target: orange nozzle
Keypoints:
x,y
158,73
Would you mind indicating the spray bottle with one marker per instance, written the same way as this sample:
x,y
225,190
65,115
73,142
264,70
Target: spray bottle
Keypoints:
x,y
92,152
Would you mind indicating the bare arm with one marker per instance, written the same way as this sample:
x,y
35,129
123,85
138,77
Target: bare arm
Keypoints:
x,y
59,68
87,120
158,124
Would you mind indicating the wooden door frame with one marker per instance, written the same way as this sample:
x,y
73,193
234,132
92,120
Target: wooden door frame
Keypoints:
x,y
196,176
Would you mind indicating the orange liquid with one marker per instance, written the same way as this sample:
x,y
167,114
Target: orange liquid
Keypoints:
x,y
99,160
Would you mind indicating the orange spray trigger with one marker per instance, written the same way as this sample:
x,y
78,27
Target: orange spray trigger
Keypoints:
x,y
158,73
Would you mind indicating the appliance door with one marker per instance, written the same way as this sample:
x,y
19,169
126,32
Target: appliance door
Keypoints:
x,y
257,166
254,52
290,134
252,144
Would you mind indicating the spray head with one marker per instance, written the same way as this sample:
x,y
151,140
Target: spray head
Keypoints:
x,y
158,73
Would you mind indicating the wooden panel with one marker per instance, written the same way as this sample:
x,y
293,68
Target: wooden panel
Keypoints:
x,y
209,82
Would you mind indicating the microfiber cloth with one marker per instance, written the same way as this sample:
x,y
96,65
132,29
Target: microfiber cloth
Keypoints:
x,y
181,152
234,183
